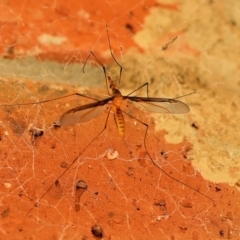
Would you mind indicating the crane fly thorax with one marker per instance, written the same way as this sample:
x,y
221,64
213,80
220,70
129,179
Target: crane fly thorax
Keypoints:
x,y
118,98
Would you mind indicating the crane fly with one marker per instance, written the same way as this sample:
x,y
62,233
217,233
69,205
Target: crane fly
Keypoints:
x,y
92,110
89,111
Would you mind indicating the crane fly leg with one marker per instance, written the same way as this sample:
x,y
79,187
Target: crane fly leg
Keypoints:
x,y
71,164
103,67
160,168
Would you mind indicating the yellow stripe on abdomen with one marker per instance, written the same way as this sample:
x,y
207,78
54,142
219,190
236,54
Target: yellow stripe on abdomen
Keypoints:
x,y
119,121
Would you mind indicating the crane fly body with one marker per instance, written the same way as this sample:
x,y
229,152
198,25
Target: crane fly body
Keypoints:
x,y
89,111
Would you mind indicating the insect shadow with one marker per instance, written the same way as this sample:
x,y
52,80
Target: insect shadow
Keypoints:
x,y
92,110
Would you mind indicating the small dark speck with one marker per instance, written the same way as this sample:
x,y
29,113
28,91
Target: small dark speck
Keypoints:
x,y
5,213
237,183
131,13
183,228
233,23
63,164
57,183
139,145
163,154
36,132
110,214
221,233
53,145
44,89
81,185
20,194
129,171
97,231
194,125
161,203
130,27
56,125
218,189
10,50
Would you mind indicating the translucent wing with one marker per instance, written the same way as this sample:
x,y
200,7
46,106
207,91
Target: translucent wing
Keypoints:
x,y
84,113
160,105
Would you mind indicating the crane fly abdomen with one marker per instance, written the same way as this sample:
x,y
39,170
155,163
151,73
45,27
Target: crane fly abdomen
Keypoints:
x,y
119,121
116,104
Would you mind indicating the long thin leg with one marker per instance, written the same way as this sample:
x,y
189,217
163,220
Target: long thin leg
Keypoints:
x,y
39,200
148,94
110,48
103,67
185,95
167,174
139,88
49,100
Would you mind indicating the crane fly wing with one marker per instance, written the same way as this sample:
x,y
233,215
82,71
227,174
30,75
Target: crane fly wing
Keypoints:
x,y
160,105
84,113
